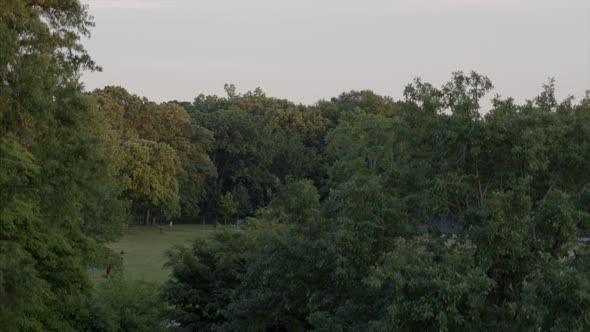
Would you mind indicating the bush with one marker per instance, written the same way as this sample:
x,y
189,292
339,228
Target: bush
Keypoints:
x,y
122,305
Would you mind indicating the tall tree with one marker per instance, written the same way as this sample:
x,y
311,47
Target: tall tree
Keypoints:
x,y
130,118
59,196
149,176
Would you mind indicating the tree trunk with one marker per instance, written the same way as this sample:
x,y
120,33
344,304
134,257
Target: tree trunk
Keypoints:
x,y
147,216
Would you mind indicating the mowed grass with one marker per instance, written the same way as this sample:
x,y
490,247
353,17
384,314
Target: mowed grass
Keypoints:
x,y
145,248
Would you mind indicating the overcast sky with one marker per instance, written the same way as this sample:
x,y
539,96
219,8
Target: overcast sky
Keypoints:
x,y
306,50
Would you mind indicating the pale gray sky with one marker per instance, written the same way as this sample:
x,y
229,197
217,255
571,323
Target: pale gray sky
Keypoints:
x,y
305,50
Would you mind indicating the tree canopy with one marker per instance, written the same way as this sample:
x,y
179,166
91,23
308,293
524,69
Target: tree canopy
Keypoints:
x,y
356,213
436,216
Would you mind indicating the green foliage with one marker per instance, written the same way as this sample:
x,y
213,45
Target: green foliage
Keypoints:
x,y
297,203
428,285
556,221
19,200
277,290
556,295
361,212
26,299
259,142
202,280
59,196
228,206
242,154
365,101
499,201
121,305
183,171
149,175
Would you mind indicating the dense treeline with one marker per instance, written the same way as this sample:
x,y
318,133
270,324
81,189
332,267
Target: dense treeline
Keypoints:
x,y
432,216
356,213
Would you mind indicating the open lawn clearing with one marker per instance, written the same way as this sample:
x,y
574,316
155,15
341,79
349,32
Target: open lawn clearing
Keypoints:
x,y
145,248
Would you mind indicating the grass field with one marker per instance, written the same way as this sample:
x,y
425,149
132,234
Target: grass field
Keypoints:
x,y
145,248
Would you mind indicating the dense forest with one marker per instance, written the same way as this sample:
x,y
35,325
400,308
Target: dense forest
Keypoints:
x,y
357,213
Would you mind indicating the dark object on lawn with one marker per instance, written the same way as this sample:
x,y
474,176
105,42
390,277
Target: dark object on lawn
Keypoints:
x,y
122,253
108,271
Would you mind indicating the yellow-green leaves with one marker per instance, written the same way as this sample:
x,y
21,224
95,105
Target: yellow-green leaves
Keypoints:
x,y
149,175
